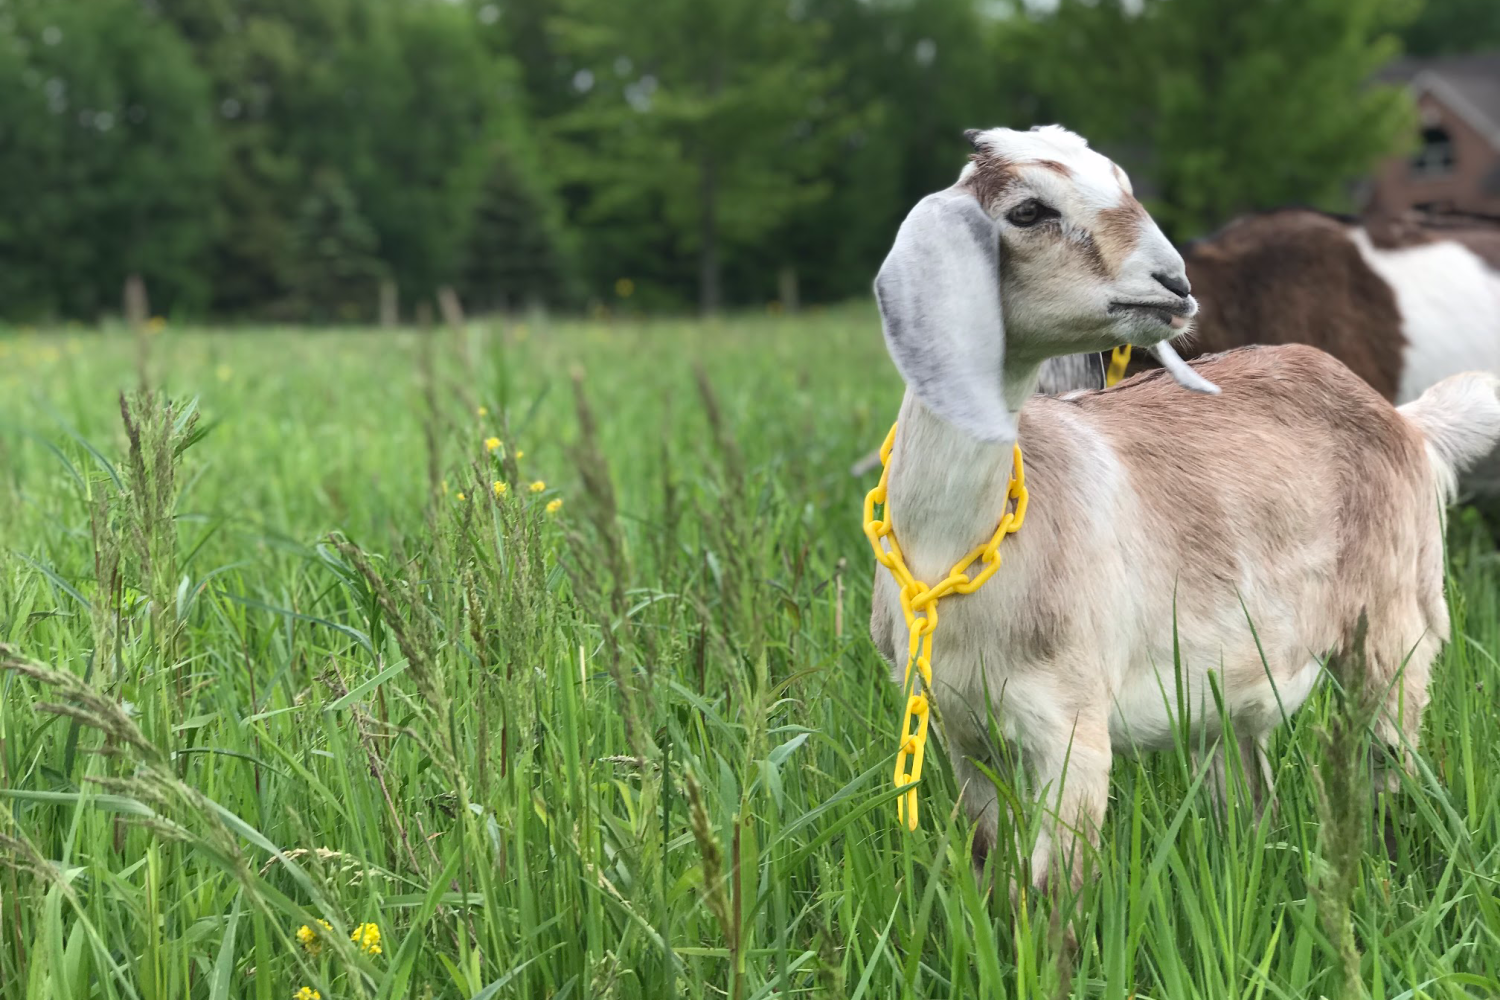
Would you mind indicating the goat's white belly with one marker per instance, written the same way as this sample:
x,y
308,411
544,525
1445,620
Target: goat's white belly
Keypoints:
x,y
1148,711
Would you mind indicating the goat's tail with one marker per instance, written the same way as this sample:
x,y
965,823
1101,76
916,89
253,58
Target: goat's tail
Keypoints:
x,y
1460,418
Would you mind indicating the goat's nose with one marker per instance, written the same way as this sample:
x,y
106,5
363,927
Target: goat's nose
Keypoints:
x,y
1177,284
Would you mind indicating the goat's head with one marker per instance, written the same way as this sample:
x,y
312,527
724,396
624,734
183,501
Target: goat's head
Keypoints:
x,y
1039,250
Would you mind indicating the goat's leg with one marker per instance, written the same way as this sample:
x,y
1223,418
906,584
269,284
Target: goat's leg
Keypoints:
x,y
1254,764
982,803
1399,724
1071,769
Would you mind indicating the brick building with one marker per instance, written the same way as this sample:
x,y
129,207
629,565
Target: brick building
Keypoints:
x,y
1456,166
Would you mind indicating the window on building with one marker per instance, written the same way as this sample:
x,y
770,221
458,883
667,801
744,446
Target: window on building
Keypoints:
x,y
1435,158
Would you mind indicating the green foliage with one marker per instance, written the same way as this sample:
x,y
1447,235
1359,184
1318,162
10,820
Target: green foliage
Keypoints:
x,y
1226,108
420,65
389,109
263,669
1445,27
280,158
335,264
107,159
677,93
922,72
516,254
277,105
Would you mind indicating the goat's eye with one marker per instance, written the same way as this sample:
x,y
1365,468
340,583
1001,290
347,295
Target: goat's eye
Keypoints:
x,y
1029,213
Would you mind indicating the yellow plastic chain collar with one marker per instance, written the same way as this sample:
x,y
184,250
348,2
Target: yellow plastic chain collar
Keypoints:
x,y
1117,362
919,604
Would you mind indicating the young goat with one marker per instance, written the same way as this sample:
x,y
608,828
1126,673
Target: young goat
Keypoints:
x,y
1295,499
1404,302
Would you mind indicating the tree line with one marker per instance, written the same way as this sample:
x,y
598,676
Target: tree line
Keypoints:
x,y
286,159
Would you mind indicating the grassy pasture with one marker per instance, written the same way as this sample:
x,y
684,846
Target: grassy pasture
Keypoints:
x,y
639,747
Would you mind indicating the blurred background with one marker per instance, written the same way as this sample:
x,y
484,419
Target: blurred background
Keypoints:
x,y
348,161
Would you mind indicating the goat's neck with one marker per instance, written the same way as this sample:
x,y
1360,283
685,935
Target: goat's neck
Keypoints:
x,y
946,489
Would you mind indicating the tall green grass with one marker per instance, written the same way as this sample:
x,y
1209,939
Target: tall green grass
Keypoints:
x,y
265,667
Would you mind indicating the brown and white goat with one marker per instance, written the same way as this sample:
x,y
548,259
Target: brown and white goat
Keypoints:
x,y
1404,302
1295,499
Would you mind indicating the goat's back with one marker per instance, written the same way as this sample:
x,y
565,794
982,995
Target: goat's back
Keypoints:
x,y
1299,489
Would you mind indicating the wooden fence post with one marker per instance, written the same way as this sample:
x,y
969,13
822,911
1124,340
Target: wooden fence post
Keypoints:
x,y
137,306
450,307
786,289
390,307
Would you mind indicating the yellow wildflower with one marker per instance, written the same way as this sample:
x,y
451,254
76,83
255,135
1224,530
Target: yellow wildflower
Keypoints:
x,y
307,993
309,937
460,495
538,486
554,506
491,443
520,454
483,411
367,936
501,487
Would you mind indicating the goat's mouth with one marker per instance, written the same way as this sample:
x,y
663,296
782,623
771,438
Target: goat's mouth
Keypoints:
x,y
1173,314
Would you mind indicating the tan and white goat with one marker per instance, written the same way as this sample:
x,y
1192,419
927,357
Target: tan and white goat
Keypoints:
x,y
1294,499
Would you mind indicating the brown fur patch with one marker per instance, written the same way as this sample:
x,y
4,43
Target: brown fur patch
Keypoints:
x,y
992,175
1295,277
1088,248
1119,231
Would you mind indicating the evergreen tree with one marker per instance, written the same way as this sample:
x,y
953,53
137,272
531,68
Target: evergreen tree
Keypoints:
x,y
281,157
702,127
279,111
426,104
335,269
107,159
391,108
1447,27
520,252
918,73
515,257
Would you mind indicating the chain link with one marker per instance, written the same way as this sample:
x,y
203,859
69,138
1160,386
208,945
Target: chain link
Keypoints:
x,y
1118,359
919,605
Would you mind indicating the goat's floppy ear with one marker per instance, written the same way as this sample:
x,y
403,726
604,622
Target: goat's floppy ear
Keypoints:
x,y
939,295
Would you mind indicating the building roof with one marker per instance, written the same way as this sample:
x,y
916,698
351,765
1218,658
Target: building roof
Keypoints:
x,y
1469,85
